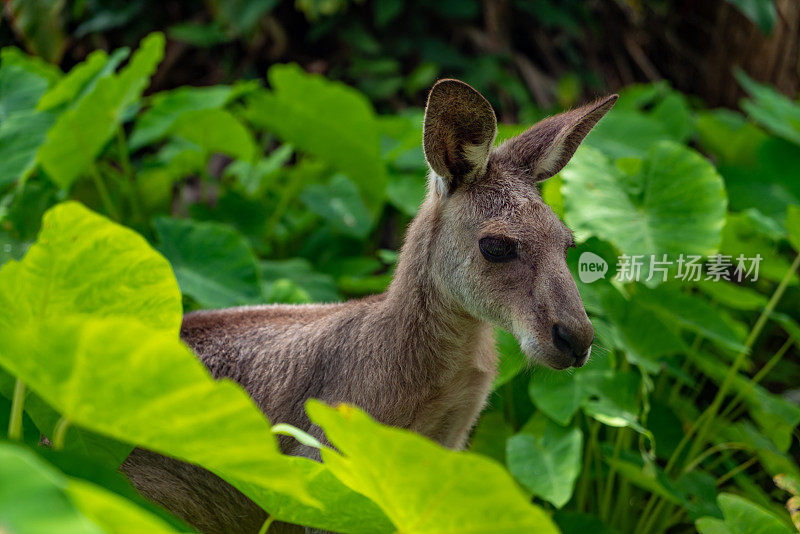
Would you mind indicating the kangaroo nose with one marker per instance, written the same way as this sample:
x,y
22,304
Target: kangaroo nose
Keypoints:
x,y
575,345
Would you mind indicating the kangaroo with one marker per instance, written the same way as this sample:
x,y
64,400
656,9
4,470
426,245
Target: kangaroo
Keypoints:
x,y
483,251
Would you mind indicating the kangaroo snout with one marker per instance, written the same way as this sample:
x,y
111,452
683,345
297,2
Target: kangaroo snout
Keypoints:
x,y
574,343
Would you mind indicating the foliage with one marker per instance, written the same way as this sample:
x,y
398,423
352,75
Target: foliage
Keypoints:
x,y
287,194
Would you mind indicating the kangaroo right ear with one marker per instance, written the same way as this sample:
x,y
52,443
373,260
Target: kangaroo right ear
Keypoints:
x,y
460,127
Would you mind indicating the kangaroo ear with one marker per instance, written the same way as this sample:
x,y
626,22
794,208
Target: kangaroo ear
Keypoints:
x,y
459,131
548,145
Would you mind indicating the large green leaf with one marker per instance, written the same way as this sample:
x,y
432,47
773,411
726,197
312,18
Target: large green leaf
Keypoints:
x,y
82,78
214,264
558,394
81,132
693,313
167,402
32,498
166,107
84,264
215,130
741,517
546,458
674,204
22,128
770,109
421,486
327,119
37,498
339,203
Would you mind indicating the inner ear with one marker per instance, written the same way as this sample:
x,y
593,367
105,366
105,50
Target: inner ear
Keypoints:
x,y
548,145
459,130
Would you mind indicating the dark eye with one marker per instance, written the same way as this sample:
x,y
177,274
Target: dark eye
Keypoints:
x,y
498,249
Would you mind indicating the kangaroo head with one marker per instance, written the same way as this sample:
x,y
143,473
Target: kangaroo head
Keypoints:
x,y
498,250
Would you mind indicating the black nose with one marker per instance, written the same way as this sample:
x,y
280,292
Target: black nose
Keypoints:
x,y
570,344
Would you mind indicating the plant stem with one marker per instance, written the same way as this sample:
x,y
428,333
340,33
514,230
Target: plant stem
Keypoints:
x,y
15,418
606,505
102,190
586,472
733,372
702,423
127,169
736,470
267,523
758,377
60,433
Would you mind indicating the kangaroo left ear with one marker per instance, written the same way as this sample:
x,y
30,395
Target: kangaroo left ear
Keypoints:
x,y
548,145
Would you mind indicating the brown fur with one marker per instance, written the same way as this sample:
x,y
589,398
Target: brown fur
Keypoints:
x,y
420,356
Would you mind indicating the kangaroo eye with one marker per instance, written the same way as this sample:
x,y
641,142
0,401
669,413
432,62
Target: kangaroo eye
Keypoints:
x,y
498,249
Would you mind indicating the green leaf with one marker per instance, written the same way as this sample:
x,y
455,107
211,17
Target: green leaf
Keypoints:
x,y
40,499
214,264
112,512
675,204
14,56
793,226
692,313
763,13
421,486
81,132
512,360
626,133
168,403
771,109
215,130
20,90
84,264
32,497
558,394
327,119
320,287
339,203
546,458
489,437
77,80
168,106
22,128
21,135
742,517
728,136
406,192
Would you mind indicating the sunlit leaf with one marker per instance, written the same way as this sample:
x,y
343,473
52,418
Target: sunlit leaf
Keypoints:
x,y
421,486
675,204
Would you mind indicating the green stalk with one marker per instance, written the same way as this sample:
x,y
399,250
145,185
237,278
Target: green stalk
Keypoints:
x,y
764,371
606,505
267,523
587,458
736,470
15,418
713,410
127,169
102,190
60,433
702,423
